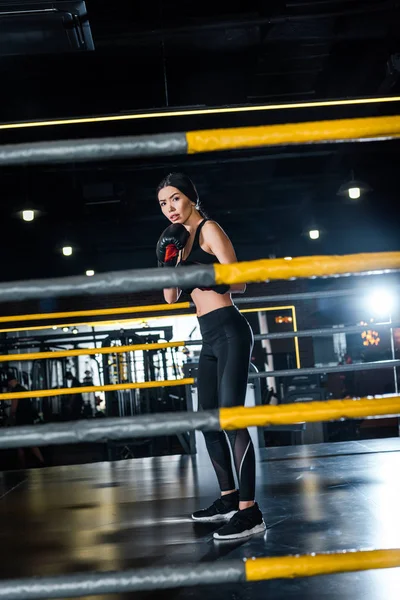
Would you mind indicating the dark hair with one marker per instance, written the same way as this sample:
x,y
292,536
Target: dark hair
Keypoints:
x,y
183,183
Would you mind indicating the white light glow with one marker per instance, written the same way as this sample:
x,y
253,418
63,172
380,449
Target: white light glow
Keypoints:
x,y
288,258
381,302
90,273
314,234
67,251
28,215
354,193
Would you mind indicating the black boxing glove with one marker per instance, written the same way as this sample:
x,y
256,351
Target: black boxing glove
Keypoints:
x,y
171,241
188,291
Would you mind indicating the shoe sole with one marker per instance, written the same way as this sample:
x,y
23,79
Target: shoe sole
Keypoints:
x,y
215,518
236,536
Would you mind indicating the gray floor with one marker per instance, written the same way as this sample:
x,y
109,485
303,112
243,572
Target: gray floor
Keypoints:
x,y
108,516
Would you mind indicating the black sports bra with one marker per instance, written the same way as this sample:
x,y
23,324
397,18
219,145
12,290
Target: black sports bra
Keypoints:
x,y
197,255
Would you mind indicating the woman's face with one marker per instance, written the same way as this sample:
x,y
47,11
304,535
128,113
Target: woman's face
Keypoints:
x,y
175,205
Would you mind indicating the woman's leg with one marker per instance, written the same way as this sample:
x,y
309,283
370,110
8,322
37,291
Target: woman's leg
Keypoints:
x,y
21,458
233,370
216,441
38,454
234,355
217,444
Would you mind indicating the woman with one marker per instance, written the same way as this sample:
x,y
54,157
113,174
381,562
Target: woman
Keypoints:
x,y
225,355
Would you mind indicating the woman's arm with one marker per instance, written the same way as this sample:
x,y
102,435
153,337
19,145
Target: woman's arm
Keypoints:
x,y
172,295
217,242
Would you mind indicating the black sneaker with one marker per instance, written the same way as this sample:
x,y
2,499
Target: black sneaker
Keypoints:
x,y
243,524
221,510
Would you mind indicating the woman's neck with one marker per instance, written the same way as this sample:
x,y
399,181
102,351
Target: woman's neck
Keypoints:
x,y
193,221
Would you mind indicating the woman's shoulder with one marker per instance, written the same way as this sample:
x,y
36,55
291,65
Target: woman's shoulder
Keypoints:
x,y
210,225
212,228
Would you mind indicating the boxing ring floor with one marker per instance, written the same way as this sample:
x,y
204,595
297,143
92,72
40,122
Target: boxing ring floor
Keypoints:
x,y
135,513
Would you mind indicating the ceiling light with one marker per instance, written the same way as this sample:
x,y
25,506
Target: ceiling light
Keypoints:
x,y
288,258
67,250
55,327
354,193
74,331
314,234
29,212
65,329
28,215
353,188
90,273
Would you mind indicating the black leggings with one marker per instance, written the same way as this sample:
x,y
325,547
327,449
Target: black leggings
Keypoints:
x,y
222,382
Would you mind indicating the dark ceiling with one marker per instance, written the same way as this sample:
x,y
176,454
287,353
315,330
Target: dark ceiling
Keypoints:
x,y
61,60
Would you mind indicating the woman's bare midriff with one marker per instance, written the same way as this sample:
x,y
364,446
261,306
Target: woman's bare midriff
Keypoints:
x,y
207,301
